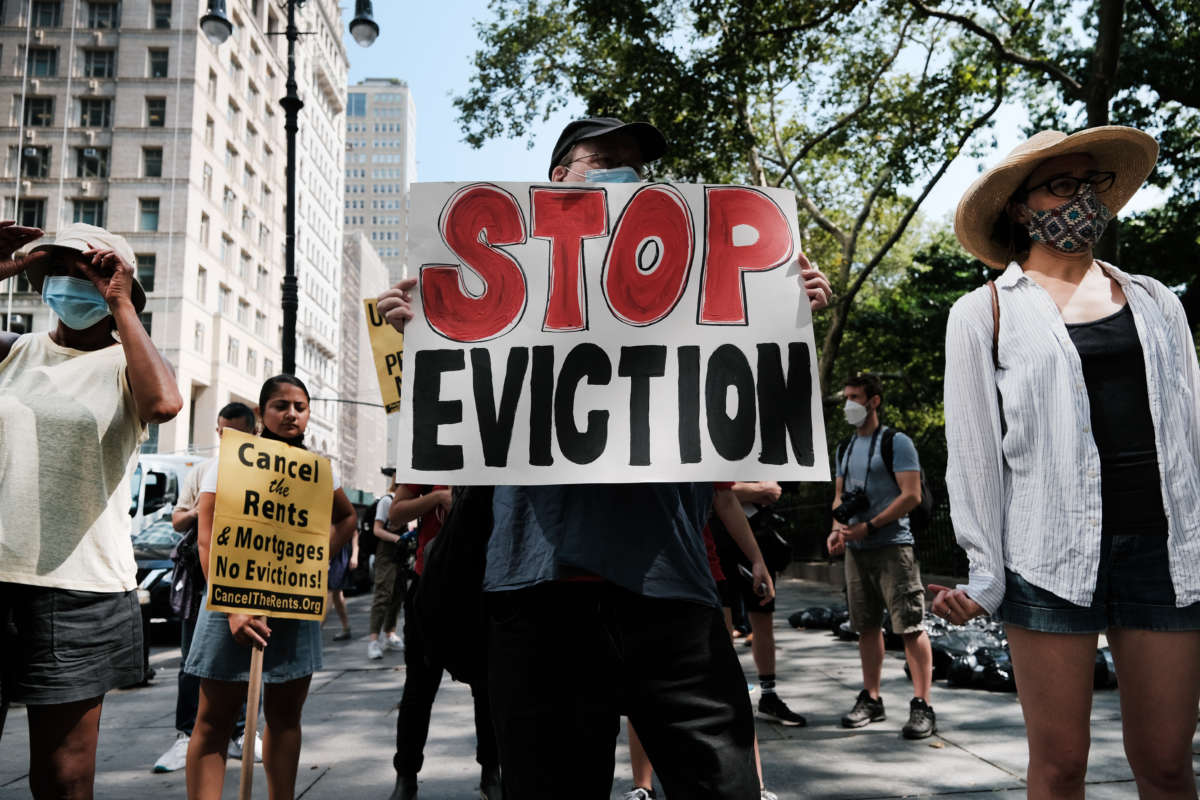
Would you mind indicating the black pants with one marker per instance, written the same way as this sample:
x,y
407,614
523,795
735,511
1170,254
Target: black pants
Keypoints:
x,y
566,660
421,683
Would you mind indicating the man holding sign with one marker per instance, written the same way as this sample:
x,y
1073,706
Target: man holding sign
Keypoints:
x,y
600,596
270,514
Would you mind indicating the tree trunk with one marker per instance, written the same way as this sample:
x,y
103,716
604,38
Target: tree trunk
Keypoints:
x,y
1099,89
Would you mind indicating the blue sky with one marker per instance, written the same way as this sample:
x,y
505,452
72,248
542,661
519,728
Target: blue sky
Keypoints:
x,y
430,45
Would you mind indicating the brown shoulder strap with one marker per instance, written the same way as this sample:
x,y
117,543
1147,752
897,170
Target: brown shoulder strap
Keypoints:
x,y
995,325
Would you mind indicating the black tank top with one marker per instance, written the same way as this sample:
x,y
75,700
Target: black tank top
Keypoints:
x,y
1114,372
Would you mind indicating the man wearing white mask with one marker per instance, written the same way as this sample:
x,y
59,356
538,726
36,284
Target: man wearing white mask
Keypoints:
x,y
878,483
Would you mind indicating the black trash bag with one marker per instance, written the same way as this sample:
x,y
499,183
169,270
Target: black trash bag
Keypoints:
x,y
997,670
840,614
817,618
846,633
1106,670
962,670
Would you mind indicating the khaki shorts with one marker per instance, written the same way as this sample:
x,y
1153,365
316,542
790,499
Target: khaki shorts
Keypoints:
x,y
886,578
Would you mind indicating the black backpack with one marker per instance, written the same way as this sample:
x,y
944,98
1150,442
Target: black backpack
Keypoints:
x,y
920,518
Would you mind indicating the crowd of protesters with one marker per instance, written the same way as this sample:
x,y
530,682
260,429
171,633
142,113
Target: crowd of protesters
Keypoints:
x,y
1072,406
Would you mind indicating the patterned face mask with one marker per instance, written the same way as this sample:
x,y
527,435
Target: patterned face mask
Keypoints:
x,y
1074,226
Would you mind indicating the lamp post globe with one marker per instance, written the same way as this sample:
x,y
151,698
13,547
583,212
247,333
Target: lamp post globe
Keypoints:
x,y
215,24
363,27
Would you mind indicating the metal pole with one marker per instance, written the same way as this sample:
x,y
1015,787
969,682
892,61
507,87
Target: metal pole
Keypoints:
x,y
291,106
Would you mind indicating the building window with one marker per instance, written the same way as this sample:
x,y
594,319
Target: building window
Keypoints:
x,y
159,59
260,280
162,15
47,14
208,131
198,337
89,211
356,104
156,112
212,85
232,113
39,112
243,312
248,180
202,285
145,270
268,367
260,323
152,158
103,14
231,352
244,268
146,318
43,62
99,63
91,162
247,219
35,162
251,137
226,247
227,202
148,214
204,226
206,179
252,96
95,112
224,296
251,360
31,212
230,158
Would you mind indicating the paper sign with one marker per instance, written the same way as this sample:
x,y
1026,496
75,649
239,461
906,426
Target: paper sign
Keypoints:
x,y
594,333
269,552
387,345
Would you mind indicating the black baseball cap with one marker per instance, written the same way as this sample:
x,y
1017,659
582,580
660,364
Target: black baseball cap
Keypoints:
x,y
648,137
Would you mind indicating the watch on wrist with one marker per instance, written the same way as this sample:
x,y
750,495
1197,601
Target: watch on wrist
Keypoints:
x,y
871,528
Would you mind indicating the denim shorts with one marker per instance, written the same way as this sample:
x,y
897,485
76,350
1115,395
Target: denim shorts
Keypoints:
x,y
292,652
1133,590
62,646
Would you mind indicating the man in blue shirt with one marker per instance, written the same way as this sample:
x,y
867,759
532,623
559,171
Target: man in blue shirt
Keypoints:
x,y
870,525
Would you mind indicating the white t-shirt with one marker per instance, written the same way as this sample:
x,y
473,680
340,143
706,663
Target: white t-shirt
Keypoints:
x,y
382,507
69,438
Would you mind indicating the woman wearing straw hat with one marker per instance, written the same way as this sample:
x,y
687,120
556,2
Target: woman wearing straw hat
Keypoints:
x,y
1073,427
74,405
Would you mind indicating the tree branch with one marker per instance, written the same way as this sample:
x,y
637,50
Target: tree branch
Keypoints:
x,y
1072,87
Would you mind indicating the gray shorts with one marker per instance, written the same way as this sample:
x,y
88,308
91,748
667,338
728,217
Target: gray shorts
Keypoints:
x,y
62,646
885,578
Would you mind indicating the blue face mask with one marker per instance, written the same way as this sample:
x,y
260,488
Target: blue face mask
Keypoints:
x,y
614,175
77,302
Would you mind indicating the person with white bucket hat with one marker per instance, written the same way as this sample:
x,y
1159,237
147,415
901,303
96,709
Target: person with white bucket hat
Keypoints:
x,y
1072,402
74,406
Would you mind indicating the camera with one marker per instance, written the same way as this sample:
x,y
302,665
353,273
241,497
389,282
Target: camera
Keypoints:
x,y
853,501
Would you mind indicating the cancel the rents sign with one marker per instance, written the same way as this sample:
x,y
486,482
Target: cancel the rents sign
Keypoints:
x,y
269,551
608,333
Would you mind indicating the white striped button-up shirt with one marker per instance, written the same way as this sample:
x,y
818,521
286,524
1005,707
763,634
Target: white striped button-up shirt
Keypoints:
x,y
1030,500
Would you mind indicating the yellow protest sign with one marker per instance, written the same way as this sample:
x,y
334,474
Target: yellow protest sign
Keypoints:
x,y
387,345
269,552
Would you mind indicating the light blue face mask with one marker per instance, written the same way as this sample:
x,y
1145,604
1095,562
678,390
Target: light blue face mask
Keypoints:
x,y
77,302
614,175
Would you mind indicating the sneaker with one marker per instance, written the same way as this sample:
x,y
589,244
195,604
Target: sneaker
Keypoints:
x,y
374,650
175,757
767,794
237,747
866,710
638,793
393,642
489,784
772,707
343,636
922,722
405,789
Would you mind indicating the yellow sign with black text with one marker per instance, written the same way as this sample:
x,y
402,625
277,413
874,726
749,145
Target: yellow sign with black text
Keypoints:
x,y
269,552
387,345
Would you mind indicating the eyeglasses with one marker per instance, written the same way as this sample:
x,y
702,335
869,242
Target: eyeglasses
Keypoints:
x,y
601,161
1068,185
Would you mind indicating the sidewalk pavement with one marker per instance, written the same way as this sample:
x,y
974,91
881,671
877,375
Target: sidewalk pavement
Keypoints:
x,y
350,719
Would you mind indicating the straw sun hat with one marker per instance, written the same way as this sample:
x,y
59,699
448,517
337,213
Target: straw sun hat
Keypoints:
x,y
1125,151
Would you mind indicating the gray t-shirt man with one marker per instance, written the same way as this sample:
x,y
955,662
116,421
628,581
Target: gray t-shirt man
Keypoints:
x,y
877,479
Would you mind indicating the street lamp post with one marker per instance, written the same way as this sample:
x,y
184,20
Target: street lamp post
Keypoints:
x,y
217,28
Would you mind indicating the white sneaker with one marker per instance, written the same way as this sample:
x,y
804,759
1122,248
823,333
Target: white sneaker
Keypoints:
x,y
393,642
374,650
637,793
767,794
175,757
236,747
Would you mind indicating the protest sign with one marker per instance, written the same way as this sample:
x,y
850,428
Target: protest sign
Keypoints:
x,y
269,552
594,333
387,346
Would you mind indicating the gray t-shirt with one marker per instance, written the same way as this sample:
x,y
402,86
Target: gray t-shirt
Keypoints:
x,y
645,537
881,486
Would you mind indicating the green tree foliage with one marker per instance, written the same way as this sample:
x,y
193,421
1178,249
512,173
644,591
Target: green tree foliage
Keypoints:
x,y
859,107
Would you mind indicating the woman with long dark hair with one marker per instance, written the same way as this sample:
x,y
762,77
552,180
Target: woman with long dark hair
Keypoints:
x,y
220,652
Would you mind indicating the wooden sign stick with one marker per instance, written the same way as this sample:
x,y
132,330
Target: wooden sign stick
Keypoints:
x,y
250,739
